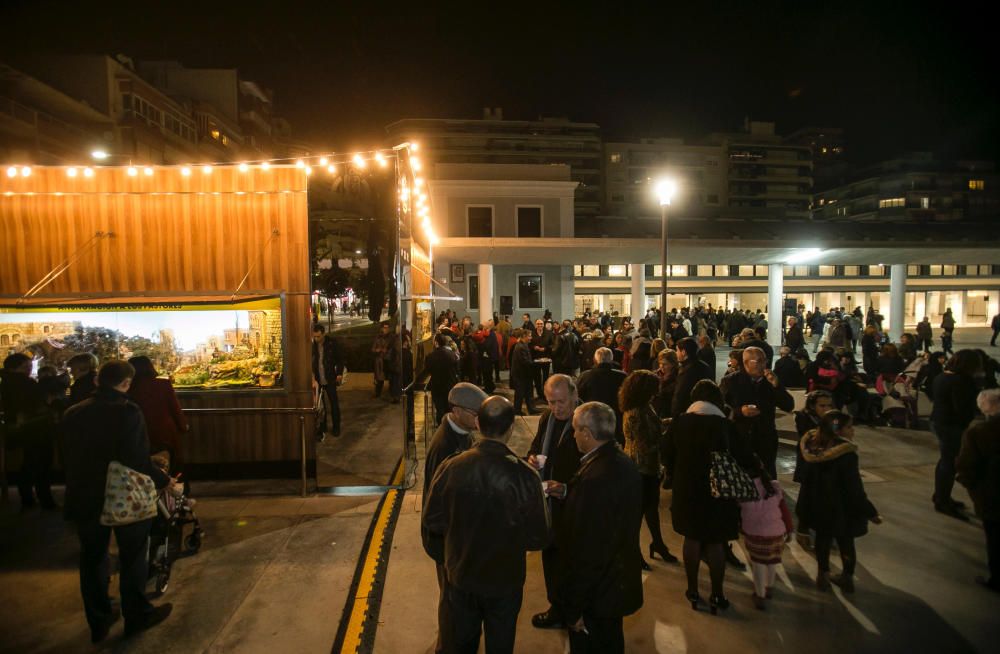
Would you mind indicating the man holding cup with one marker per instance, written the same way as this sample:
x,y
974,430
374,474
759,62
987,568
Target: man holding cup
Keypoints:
x,y
555,455
754,396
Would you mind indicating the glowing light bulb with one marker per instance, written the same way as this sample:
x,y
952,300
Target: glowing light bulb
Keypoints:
x,y
244,167
265,166
418,181
12,171
300,164
380,159
206,169
359,161
323,161
414,147
415,163
132,171
185,171
331,169
71,172
309,170
26,171
148,171
88,172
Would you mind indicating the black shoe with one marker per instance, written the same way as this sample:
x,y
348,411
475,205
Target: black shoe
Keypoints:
x,y
661,549
547,620
717,603
153,618
733,561
951,511
694,598
99,634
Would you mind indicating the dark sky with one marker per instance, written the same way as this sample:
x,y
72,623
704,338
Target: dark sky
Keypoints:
x,y
899,76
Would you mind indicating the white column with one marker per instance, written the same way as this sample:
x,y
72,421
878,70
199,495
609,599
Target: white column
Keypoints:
x,y
775,297
897,301
638,273
567,294
485,292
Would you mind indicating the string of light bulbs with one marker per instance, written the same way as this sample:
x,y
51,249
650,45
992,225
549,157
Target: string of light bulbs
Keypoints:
x,y
324,161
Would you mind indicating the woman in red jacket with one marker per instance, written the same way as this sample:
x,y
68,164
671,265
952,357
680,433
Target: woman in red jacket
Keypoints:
x,y
164,419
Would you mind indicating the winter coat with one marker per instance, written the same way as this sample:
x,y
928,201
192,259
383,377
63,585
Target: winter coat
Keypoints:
x,y
164,419
767,517
642,439
832,499
978,467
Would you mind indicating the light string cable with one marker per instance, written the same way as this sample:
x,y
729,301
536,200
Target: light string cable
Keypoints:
x,y
253,264
62,267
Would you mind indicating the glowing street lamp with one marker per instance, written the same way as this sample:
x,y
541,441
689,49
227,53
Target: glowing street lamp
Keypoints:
x,y
666,188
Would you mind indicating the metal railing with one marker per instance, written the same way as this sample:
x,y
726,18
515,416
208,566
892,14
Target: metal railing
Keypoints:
x,y
300,411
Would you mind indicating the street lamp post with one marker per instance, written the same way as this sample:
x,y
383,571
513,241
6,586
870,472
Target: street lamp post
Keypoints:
x,y
665,192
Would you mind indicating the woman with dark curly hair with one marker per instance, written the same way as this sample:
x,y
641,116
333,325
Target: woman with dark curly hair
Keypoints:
x,y
642,444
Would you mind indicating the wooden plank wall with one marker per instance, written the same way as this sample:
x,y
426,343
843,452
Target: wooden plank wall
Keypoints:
x,y
175,235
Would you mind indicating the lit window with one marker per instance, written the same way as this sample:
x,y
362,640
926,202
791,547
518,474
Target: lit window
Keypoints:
x,y
617,271
215,134
529,291
876,271
913,270
852,271
760,271
591,271
786,271
722,271
827,271
704,271
616,157
935,269
679,270
949,270
746,271
925,203
976,184
891,202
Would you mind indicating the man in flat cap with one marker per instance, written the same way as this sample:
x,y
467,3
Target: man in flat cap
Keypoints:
x,y
453,435
486,504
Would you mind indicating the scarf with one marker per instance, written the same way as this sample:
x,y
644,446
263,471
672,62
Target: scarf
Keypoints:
x,y
703,408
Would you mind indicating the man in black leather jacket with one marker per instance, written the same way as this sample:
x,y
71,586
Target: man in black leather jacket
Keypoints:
x,y
487,504
105,427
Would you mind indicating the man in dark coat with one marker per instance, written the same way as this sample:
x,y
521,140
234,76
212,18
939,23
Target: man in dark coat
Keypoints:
x,y
978,468
29,424
599,535
601,384
566,350
109,427
441,366
692,370
487,506
328,372
754,396
493,348
522,371
541,348
83,367
453,436
793,337
706,353
787,369
554,441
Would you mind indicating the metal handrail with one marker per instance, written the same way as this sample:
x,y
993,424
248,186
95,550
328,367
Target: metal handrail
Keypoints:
x,y
301,411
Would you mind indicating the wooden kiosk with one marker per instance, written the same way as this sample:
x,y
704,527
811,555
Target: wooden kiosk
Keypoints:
x,y
156,257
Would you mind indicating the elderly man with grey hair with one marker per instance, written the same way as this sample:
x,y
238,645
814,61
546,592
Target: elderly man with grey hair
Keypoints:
x,y
978,469
599,536
601,384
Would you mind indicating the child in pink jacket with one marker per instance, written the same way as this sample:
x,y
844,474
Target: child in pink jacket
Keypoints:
x,y
766,527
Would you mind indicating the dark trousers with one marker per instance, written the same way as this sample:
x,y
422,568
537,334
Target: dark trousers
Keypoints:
x,y
443,625
34,476
996,332
605,637
949,442
651,506
95,571
765,445
496,369
334,401
848,555
992,529
522,395
470,615
541,374
552,570
441,407
946,343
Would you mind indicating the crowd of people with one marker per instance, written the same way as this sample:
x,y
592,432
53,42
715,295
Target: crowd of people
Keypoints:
x,y
630,410
89,416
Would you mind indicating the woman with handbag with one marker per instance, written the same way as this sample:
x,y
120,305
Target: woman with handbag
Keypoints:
x,y
643,434
706,522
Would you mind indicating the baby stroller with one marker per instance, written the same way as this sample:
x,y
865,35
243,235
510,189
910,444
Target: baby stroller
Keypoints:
x,y
167,542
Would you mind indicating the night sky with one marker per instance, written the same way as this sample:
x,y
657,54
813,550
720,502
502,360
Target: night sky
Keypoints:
x,y
901,76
